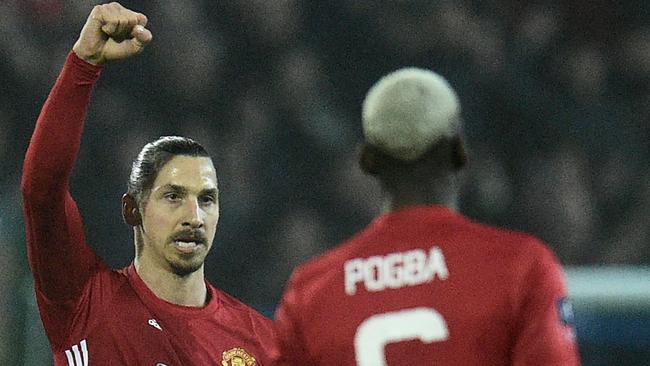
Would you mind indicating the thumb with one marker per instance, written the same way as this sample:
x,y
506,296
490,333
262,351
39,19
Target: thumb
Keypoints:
x,y
141,37
128,47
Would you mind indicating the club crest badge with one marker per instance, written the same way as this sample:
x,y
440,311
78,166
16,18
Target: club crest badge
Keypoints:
x,y
565,312
237,357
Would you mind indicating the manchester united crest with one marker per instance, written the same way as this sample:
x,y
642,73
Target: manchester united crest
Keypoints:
x,y
237,357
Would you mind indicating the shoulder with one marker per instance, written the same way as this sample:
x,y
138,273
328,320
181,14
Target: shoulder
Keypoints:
x,y
533,266
522,257
324,265
243,312
528,249
520,245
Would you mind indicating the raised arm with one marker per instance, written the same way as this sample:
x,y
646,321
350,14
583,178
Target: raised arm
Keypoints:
x,y
60,259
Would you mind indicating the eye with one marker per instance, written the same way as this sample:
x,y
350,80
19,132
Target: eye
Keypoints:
x,y
208,199
172,196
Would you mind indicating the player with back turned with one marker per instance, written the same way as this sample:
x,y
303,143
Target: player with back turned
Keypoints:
x,y
160,310
423,284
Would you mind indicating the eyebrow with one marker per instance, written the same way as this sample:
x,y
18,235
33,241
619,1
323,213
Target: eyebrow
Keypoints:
x,y
173,187
183,190
209,191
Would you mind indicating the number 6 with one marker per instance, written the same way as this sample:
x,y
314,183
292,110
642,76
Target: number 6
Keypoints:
x,y
374,333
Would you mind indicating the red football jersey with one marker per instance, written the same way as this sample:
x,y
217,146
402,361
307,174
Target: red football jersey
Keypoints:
x,y
427,286
97,316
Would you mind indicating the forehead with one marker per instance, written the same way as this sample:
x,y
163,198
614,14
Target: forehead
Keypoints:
x,y
187,171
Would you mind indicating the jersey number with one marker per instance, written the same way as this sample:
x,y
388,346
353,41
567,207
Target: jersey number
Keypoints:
x,y
374,333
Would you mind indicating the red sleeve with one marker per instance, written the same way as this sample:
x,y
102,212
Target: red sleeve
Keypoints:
x,y
289,347
60,259
545,333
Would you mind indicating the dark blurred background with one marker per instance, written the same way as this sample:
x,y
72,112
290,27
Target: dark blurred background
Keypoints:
x,y
555,95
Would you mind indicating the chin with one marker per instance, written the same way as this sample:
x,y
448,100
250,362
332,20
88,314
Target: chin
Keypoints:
x,y
185,268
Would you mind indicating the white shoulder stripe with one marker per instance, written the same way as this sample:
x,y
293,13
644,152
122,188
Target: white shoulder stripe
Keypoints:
x,y
68,355
80,357
84,352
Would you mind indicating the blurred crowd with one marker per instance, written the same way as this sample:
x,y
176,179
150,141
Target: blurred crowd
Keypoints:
x,y
555,94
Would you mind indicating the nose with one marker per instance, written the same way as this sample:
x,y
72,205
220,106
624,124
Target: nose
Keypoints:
x,y
193,214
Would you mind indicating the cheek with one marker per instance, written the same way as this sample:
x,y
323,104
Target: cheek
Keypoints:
x,y
212,221
158,224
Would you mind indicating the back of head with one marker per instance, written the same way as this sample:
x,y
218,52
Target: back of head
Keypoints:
x,y
407,111
413,144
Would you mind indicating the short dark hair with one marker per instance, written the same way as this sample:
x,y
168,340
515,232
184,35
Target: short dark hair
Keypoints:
x,y
153,157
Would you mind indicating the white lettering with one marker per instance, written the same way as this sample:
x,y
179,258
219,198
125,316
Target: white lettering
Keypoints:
x,y
372,273
395,270
353,274
437,265
414,263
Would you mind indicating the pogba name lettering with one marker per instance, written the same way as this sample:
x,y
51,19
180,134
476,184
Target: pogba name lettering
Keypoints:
x,y
395,270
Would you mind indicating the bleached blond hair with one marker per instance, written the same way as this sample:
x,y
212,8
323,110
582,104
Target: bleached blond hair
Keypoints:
x,y
409,110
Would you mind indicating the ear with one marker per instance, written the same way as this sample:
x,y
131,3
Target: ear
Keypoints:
x,y
130,211
368,160
459,154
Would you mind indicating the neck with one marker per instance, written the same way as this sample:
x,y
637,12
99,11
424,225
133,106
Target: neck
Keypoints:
x,y
442,191
189,290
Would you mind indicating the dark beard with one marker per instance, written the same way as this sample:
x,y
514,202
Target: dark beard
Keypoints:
x,y
184,269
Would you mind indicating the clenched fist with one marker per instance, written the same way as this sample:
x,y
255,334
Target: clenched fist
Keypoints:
x,y
112,32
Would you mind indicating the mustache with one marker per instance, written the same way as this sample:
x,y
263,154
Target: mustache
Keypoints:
x,y
197,236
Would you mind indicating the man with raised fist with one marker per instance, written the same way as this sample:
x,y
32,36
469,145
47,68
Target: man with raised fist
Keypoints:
x,y
160,310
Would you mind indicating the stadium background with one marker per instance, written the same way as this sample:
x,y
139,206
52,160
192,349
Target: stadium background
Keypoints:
x,y
556,98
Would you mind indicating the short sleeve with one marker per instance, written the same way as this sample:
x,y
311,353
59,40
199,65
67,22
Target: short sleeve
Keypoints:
x,y
545,334
289,347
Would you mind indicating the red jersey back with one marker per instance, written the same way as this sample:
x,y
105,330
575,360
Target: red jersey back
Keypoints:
x,y
424,285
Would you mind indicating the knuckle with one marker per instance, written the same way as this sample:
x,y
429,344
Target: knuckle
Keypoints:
x,y
97,10
105,10
110,7
129,17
